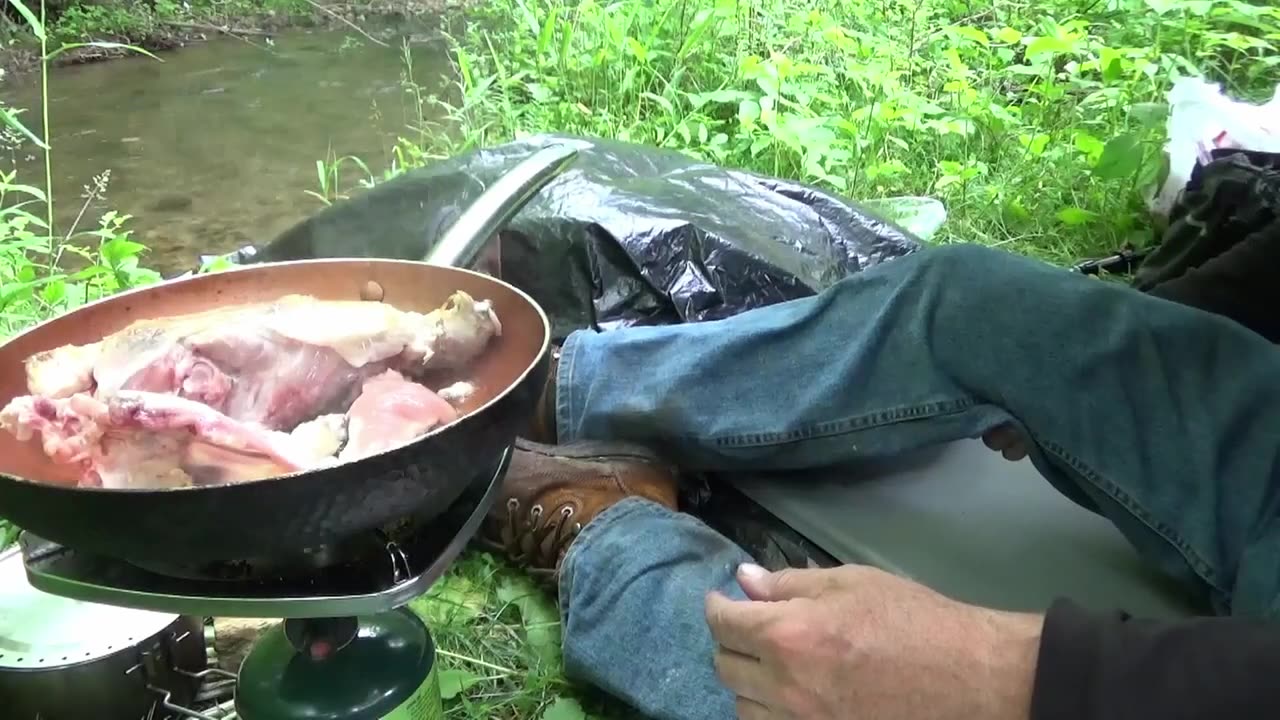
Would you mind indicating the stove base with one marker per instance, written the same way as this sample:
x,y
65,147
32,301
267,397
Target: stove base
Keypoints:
x,y
372,667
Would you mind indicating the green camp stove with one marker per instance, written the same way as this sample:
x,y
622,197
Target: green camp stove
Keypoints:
x,y
349,646
372,667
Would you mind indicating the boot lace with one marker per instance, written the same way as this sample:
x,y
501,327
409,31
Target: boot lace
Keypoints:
x,y
539,539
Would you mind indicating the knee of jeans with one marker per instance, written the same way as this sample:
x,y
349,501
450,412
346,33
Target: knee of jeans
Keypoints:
x,y
963,260
968,279
967,291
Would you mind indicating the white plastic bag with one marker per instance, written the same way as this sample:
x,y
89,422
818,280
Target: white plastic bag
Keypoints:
x,y
1201,119
920,216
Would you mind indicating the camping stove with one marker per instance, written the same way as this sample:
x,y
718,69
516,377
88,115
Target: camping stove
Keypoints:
x,y
348,646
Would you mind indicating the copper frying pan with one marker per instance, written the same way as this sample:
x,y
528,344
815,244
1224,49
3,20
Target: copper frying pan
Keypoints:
x,y
314,508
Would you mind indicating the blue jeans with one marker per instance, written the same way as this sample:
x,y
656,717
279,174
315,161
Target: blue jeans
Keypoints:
x,y
1163,418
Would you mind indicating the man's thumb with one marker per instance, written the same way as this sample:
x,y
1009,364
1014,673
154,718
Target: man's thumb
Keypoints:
x,y
760,584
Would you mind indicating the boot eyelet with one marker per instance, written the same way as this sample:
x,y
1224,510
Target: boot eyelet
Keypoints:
x,y
566,512
535,512
513,504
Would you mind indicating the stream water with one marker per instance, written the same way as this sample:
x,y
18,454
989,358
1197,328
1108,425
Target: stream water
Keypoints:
x,y
215,147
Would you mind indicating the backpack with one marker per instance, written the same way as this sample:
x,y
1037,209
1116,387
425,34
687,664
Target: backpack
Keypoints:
x,y
1221,249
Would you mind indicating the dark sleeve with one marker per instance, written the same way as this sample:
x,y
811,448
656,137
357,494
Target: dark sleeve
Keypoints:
x,y
1243,283
1111,666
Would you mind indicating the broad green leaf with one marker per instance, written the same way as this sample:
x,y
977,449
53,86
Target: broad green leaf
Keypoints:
x,y
1121,157
30,17
116,251
1008,35
1113,69
22,216
454,682
1047,45
564,709
90,272
31,190
54,292
548,31
13,291
453,600
1075,216
1089,145
1153,172
11,119
1150,114
662,102
969,32
718,96
1035,144
638,50
538,614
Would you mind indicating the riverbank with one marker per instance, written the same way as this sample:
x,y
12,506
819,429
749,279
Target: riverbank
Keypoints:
x,y
164,25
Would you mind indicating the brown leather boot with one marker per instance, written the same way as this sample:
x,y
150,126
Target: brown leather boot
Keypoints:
x,y
552,492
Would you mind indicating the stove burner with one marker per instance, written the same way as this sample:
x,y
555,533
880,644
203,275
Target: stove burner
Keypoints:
x,y
372,573
320,638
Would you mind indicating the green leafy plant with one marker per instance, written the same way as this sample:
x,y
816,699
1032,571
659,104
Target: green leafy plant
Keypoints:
x,y
1042,131
44,272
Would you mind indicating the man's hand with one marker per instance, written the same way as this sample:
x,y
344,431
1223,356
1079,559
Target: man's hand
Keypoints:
x,y
1007,441
856,642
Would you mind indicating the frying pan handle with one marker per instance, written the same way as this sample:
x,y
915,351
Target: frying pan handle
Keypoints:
x,y
464,240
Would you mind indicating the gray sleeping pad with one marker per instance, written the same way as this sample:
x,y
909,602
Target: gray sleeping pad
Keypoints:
x,y
974,526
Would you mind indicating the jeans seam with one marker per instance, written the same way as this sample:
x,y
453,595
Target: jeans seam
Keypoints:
x,y
564,390
843,426
1162,529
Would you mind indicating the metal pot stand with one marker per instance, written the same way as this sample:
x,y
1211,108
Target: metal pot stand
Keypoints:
x,y
349,647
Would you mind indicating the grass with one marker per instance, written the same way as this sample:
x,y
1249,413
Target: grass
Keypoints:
x,y
1040,126
499,640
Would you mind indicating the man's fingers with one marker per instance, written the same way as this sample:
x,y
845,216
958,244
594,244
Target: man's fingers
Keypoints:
x,y
738,625
1008,441
786,584
1001,437
1015,453
752,710
742,674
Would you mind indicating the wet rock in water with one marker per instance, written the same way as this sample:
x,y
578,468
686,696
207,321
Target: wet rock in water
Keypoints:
x,y
234,637
170,203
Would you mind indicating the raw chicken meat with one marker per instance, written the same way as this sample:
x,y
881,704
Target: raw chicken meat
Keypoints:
x,y
248,392
145,439
275,364
390,412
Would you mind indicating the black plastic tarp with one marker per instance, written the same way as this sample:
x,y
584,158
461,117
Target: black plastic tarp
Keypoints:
x,y
629,235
